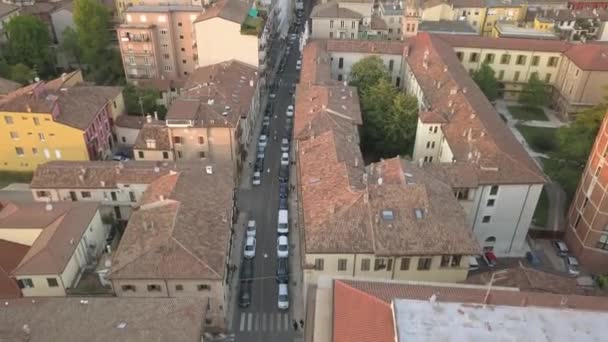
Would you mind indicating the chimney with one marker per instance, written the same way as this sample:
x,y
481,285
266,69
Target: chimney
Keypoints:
x,y
380,180
48,207
155,115
453,91
464,90
81,177
148,118
251,83
438,84
356,162
161,198
102,183
209,169
420,162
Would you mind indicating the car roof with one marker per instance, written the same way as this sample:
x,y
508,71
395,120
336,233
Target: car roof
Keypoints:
x,y
284,154
250,239
251,223
282,288
572,260
283,239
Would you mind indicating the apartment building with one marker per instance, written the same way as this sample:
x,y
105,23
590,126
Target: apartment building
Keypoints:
x,y
178,242
118,186
7,12
369,225
577,72
61,240
577,25
501,10
585,233
158,41
583,4
123,5
57,120
126,129
334,20
392,11
471,11
213,117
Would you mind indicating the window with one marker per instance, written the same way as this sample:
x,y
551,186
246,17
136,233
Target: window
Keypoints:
x,y
365,264
352,35
490,58
340,63
340,77
14,135
42,194
474,57
501,75
456,260
36,121
516,76
166,55
8,120
552,62
25,283
352,24
203,287
548,78
58,154
331,35
165,155
424,264
602,243
179,154
19,151
140,154
535,60
460,55
132,196
85,194
389,265
405,264
331,24
183,61
154,288
390,65
342,264
342,23
491,202
179,24
319,264
521,60
445,260
461,193
181,37
113,195
127,288
179,287
201,154
486,219
505,59
494,190
52,282
398,82
379,264
177,140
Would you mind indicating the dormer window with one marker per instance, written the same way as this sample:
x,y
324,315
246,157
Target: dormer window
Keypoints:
x,y
388,215
419,213
151,143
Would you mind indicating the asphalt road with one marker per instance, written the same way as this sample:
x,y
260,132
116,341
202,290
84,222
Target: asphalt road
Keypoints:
x,y
262,321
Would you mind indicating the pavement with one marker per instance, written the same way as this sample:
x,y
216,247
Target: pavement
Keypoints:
x,y
262,321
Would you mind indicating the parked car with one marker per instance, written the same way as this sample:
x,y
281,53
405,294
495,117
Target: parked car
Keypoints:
x,y
283,222
283,270
249,248
284,174
283,190
266,121
572,266
282,247
293,36
259,165
560,247
489,258
299,64
265,130
251,227
247,270
257,178
282,203
263,141
289,111
284,158
272,95
283,302
261,154
120,157
244,294
284,145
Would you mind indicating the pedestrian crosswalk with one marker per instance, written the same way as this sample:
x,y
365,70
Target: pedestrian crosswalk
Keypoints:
x,y
264,322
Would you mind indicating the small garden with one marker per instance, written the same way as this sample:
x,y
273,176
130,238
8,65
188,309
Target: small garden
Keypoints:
x,y
540,139
527,113
252,26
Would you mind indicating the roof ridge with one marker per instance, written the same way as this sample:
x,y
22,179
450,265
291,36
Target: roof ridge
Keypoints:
x,y
194,256
364,293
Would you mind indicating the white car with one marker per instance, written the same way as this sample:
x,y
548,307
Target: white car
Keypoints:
x,y
249,248
282,247
261,153
572,265
263,141
284,158
299,64
289,111
293,36
257,178
266,121
251,228
284,145
283,302
273,96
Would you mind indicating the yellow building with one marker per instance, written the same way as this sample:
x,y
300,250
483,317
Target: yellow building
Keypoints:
x,y
498,10
544,24
56,120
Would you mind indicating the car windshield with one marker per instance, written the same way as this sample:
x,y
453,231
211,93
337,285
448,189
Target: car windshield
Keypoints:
x,y
283,298
282,247
249,247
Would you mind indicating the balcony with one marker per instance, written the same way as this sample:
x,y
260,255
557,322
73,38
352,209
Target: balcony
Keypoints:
x,y
252,26
135,38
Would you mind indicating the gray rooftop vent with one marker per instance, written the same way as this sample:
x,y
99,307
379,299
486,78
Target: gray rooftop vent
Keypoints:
x,y
387,215
419,213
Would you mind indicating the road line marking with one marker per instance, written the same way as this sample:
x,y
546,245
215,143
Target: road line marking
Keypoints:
x,y
270,323
242,321
249,321
256,321
279,322
286,321
264,321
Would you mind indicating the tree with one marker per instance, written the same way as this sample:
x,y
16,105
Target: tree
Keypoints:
x,y
93,25
485,77
400,125
576,140
534,92
367,72
71,45
21,73
148,97
28,43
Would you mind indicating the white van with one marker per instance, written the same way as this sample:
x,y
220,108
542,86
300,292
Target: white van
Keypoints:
x,y
283,302
283,226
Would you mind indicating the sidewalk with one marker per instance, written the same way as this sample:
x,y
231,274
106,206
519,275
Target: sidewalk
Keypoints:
x,y
235,259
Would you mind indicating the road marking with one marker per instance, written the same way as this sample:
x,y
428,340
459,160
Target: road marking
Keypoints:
x,y
278,322
270,323
264,321
249,321
286,321
242,321
255,324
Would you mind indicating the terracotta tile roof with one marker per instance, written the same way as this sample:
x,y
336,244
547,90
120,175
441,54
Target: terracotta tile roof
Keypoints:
x,y
521,44
97,174
475,132
315,63
402,188
11,254
130,121
64,79
367,46
468,3
217,95
62,228
589,57
457,174
161,84
231,10
101,319
387,292
6,9
377,23
184,234
360,317
156,131
6,86
332,9
431,117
